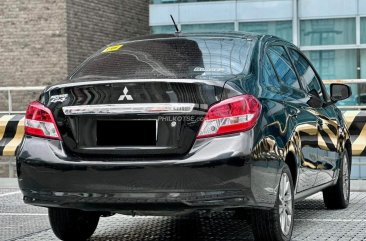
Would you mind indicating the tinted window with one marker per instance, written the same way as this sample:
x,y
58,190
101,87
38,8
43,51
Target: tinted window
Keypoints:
x,y
174,58
283,66
306,73
269,75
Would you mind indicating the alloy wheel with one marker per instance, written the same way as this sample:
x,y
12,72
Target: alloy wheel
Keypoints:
x,y
345,178
285,206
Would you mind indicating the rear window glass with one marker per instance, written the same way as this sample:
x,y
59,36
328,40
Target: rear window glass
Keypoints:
x,y
172,58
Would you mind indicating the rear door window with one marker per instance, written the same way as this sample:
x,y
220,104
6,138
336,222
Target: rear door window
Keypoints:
x,y
306,73
283,66
269,74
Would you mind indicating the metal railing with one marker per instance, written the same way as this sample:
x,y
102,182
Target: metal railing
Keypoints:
x,y
345,81
348,81
10,90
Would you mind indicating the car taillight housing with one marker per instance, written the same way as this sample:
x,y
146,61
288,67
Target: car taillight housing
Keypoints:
x,y
232,115
39,121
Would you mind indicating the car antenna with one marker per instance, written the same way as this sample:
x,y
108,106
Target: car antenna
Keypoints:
x,y
175,25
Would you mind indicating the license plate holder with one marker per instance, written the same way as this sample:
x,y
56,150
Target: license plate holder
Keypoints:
x,y
127,132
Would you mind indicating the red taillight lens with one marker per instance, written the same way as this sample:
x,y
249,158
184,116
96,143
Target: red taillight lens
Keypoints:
x,y
39,121
236,114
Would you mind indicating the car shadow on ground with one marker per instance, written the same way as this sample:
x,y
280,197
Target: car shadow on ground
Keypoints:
x,y
312,222
218,226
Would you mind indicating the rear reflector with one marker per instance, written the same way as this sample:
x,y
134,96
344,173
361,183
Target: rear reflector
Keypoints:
x,y
39,121
236,114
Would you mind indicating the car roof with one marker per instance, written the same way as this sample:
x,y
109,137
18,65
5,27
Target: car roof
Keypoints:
x,y
263,38
236,34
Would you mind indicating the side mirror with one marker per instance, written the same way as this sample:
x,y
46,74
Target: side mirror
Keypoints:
x,y
339,92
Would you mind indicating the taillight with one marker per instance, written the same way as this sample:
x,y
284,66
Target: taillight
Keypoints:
x,y
236,114
39,121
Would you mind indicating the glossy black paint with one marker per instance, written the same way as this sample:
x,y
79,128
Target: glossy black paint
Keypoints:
x,y
199,179
238,170
78,138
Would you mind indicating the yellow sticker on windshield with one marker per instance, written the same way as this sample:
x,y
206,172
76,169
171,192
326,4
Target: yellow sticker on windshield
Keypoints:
x,y
112,48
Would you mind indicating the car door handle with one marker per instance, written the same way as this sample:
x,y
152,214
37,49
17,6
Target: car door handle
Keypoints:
x,y
292,113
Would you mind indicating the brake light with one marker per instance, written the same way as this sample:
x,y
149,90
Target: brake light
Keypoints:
x,y
236,114
39,121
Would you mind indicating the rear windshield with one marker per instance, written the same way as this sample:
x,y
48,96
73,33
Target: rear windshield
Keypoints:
x,y
173,58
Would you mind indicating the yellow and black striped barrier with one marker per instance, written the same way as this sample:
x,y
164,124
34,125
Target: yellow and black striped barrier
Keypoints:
x,y
11,134
356,122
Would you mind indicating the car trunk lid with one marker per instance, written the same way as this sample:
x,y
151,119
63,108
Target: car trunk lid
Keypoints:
x,y
147,117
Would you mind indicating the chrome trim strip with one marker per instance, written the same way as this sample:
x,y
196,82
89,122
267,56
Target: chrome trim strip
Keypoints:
x,y
128,108
132,81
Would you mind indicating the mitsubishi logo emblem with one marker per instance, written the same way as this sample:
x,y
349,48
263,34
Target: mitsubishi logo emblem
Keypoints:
x,y
125,95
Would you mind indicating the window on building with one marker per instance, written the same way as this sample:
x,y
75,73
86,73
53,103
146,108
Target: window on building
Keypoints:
x,y
162,29
363,30
283,67
209,27
282,29
328,31
306,73
334,64
363,64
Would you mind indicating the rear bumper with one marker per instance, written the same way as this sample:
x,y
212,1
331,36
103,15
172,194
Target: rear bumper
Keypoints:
x,y
217,173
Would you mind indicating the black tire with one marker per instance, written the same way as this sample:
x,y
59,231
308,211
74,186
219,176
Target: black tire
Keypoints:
x,y
266,224
337,196
72,224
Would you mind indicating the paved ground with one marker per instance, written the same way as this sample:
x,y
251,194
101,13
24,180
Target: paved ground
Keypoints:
x,y
313,222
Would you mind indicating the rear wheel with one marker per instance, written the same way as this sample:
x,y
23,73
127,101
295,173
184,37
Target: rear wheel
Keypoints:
x,y
337,196
277,224
72,224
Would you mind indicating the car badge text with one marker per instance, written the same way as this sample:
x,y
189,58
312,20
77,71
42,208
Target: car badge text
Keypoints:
x,y
125,95
58,98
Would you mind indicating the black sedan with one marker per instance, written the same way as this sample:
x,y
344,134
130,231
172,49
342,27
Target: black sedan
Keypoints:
x,y
172,124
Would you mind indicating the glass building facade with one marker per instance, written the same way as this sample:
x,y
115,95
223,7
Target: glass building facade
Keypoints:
x,y
332,33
